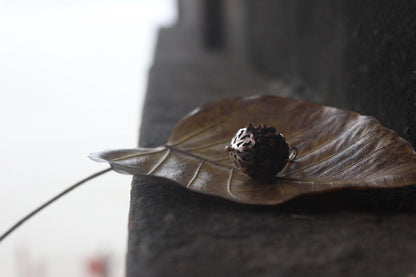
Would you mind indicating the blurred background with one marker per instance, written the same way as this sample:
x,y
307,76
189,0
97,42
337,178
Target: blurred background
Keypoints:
x,y
72,81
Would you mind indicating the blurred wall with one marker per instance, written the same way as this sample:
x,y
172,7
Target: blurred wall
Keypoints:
x,y
358,55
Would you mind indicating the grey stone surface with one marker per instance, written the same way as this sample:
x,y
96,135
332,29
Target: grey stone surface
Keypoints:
x,y
176,232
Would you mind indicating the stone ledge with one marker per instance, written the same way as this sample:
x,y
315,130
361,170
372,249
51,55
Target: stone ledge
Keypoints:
x,y
176,232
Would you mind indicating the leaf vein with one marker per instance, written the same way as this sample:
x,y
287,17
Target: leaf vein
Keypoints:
x,y
319,161
230,177
138,155
206,145
196,133
195,174
162,160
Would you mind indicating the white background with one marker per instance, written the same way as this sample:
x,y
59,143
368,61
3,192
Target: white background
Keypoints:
x,y
72,81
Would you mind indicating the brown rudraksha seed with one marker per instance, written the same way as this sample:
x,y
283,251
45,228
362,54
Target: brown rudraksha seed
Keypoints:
x,y
259,151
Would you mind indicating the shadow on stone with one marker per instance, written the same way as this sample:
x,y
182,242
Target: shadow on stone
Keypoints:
x,y
391,200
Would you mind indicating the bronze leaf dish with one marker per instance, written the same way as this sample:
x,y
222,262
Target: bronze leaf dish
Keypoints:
x,y
337,149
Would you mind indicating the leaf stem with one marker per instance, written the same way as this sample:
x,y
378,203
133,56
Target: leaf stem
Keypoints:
x,y
21,221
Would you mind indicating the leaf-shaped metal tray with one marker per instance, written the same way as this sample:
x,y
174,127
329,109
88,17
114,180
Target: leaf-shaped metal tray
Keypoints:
x,y
336,149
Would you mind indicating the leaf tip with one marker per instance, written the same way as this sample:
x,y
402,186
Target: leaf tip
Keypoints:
x,y
96,157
